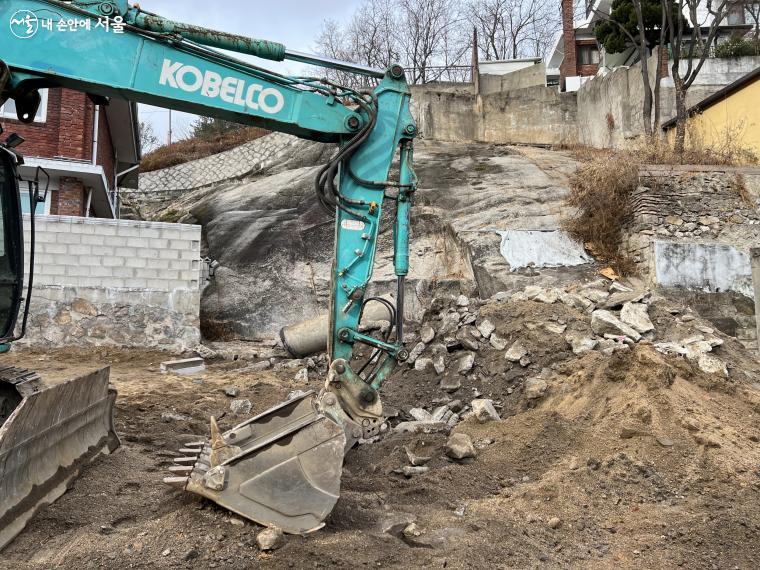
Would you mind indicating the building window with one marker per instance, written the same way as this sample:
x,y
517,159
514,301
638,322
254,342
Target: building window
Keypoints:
x,y
588,55
43,208
8,110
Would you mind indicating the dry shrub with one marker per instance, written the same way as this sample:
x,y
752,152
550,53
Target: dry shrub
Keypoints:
x,y
600,192
195,148
600,189
727,151
582,152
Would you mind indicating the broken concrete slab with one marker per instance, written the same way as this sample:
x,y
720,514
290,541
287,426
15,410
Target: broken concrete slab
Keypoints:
x,y
484,411
535,388
465,363
637,316
185,367
421,427
486,328
516,352
459,446
580,343
712,365
603,321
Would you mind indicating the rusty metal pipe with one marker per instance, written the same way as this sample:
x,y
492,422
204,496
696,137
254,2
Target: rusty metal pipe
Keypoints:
x,y
310,337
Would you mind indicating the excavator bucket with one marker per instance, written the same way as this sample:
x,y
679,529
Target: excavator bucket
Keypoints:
x,y
47,434
281,468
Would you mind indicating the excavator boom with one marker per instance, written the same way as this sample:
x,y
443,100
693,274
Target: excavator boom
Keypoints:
x,y
282,467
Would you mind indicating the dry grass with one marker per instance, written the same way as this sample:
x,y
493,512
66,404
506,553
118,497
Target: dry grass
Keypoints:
x,y
727,151
600,192
193,149
600,189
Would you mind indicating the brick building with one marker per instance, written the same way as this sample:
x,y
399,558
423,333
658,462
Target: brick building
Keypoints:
x,y
577,56
88,149
576,52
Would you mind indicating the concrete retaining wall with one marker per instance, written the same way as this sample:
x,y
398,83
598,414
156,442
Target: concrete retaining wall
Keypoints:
x,y
117,282
530,76
533,115
704,267
610,106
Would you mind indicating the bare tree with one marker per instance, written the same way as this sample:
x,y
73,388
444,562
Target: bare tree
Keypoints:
x,y
688,46
148,139
508,29
619,24
425,28
368,38
752,13
543,30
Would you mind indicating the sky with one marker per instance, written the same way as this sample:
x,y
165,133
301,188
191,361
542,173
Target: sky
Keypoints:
x,y
295,23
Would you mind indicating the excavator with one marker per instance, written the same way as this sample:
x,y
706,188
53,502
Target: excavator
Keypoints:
x,y
280,468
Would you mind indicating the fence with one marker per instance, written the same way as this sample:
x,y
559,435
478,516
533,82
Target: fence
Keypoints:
x,y
440,73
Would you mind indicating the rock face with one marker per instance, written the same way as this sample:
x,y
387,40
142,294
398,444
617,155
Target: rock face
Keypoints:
x,y
605,322
274,242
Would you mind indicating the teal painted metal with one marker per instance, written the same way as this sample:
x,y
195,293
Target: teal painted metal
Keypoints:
x,y
165,70
407,187
356,238
183,77
260,48
5,347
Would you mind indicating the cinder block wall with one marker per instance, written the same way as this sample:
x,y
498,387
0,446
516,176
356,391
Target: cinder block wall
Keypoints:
x,y
114,282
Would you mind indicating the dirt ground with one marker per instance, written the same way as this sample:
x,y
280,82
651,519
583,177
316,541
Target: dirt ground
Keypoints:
x,y
646,461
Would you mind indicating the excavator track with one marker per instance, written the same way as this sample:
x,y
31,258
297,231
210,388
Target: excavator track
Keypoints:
x,y
47,434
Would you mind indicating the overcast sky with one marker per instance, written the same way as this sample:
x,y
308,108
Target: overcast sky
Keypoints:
x,y
294,23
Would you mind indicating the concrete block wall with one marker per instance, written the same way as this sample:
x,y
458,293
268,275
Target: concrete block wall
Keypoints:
x,y
117,282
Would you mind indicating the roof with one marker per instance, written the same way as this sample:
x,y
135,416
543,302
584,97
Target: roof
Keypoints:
x,y
718,96
125,135
516,60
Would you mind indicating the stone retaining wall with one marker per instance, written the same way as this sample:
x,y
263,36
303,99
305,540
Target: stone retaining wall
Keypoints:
x,y
693,229
114,282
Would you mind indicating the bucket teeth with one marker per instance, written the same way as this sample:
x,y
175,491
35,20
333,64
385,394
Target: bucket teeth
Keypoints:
x,y
178,482
181,469
185,460
221,451
189,450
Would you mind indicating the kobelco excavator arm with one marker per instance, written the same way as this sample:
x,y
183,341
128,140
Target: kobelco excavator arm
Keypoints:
x,y
282,467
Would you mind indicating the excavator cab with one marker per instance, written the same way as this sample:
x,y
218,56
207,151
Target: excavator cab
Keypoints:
x,y
11,246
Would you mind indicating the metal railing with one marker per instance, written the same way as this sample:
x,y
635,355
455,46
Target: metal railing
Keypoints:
x,y
440,73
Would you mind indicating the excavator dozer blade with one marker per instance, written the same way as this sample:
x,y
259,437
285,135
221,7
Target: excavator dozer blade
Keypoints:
x,y
281,468
47,434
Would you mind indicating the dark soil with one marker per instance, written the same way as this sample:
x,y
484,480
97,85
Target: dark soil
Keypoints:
x,y
590,453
